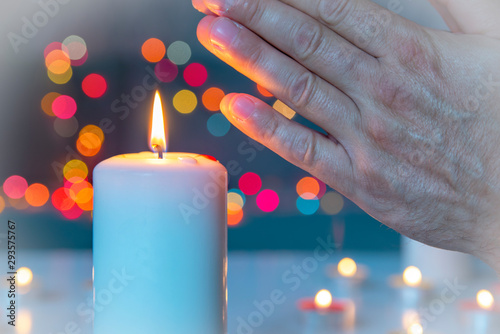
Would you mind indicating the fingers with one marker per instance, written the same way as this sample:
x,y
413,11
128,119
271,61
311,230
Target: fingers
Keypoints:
x,y
308,94
296,143
303,38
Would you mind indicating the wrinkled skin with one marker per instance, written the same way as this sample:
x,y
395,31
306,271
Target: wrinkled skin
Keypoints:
x,y
412,115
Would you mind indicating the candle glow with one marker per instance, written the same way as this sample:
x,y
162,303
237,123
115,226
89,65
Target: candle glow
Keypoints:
x,y
24,276
412,276
157,138
347,267
485,299
323,299
415,329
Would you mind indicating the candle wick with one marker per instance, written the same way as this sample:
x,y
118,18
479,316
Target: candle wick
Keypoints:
x,y
159,149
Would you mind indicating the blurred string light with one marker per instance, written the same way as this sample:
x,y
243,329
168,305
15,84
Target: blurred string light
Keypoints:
x,y
218,125
47,101
195,74
37,195
166,71
267,200
179,52
347,267
212,97
153,50
264,92
15,187
284,109
250,183
66,127
185,101
94,85
332,203
64,106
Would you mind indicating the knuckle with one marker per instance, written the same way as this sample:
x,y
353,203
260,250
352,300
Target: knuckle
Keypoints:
x,y
304,149
417,54
394,94
301,90
376,129
307,40
250,11
333,12
254,57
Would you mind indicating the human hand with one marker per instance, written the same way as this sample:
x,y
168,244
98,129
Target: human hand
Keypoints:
x,y
411,114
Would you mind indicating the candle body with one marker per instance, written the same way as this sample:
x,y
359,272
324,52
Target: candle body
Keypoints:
x,y
160,245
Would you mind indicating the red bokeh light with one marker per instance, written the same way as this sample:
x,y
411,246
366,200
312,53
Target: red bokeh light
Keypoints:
x,y
15,186
166,71
64,107
250,183
94,85
268,200
195,74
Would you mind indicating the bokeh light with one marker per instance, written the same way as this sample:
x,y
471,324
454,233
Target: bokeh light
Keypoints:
x,y
64,106
166,71
264,92
195,74
218,125
485,299
54,46
57,61
307,206
212,97
347,267
234,219
250,183
239,196
179,52
60,79
66,127
88,144
235,203
268,200
415,329
185,101
37,195
94,85
322,188
75,171
93,129
323,299
76,47
24,322
61,199
332,203
73,213
412,276
81,192
284,109
153,50
2,204
308,188
19,203
81,61
24,276
15,186
47,101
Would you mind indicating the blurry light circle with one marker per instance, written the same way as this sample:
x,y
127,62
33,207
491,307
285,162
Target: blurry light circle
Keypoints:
x,y
250,183
15,186
60,79
61,199
195,74
307,206
185,101
64,107
153,50
93,129
81,192
308,188
55,46
66,127
268,200
76,47
2,204
75,171
88,144
212,97
19,203
81,61
218,125
57,62
73,213
47,101
94,85
166,71
332,203
284,109
322,188
233,197
37,195
240,193
234,219
24,276
179,52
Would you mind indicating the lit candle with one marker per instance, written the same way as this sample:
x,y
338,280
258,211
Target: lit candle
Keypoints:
x,y
160,241
346,276
413,288
325,313
482,315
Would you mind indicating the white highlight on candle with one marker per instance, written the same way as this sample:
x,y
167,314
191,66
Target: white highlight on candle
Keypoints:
x,y
158,126
415,329
485,299
24,276
412,276
323,299
347,267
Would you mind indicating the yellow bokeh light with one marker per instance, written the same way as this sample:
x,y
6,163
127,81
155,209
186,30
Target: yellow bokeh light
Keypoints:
x,y
185,101
62,78
235,198
412,276
2,204
485,299
347,267
24,276
332,203
284,109
93,129
88,144
47,102
323,299
75,171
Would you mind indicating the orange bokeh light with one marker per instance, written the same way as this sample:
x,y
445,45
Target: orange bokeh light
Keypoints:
x,y
212,97
37,195
153,50
308,188
88,144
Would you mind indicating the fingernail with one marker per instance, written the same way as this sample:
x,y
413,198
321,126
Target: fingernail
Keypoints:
x,y
223,33
242,108
219,7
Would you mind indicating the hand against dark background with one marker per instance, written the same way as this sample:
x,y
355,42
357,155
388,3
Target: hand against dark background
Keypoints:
x,y
412,115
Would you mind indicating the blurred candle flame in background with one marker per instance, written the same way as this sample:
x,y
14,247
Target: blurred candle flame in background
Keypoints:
x,y
412,276
347,267
323,299
485,299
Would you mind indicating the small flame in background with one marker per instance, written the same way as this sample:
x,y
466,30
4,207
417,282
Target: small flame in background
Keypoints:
x,y
323,299
485,299
412,276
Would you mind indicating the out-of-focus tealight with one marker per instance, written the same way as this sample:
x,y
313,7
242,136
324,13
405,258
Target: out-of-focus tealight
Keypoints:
x,y
47,101
166,71
94,85
347,267
308,188
323,299
212,97
307,206
195,74
76,47
62,78
415,329
250,183
153,50
24,276
75,171
485,299
412,276
64,106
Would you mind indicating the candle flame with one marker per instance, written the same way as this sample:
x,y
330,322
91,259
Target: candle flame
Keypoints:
x,y
158,138
323,299
412,276
485,299
347,267
415,329
24,276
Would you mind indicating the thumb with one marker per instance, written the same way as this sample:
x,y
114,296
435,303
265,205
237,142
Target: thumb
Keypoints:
x,y
471,17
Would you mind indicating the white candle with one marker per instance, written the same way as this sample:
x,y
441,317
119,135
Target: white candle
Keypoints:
x,y
160,243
